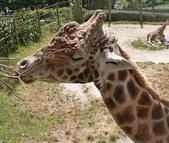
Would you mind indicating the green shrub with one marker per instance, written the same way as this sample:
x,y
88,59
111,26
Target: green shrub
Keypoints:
x,y
7,42
28,27
125,15
138,44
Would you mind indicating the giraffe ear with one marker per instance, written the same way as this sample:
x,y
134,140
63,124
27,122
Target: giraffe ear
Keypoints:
x,y
118,62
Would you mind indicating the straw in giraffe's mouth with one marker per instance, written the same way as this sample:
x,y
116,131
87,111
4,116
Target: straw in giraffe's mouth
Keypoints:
x,y
7,72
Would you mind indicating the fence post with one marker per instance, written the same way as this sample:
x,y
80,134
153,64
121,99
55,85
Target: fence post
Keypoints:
x,y
58,19
153,4
77,11
15,23
141,13
38,20
109,11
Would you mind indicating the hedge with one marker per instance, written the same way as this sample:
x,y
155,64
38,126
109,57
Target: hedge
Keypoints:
x,y
28,27
125,15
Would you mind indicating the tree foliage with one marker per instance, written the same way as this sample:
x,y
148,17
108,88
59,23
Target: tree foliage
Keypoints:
x,y
18,4
134,4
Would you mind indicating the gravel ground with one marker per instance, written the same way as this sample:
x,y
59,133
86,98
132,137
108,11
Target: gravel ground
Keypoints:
x,y
126,33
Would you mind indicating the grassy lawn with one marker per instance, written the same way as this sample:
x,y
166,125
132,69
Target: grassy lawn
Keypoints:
x,y
24,51
16,123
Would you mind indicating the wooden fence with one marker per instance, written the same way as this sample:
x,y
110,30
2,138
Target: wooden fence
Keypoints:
x,y
16,30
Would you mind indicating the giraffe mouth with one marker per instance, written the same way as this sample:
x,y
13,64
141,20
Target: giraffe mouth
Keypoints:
x,y
27,79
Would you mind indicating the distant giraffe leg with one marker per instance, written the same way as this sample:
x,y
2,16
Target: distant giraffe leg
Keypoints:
x,y
158,41
151,42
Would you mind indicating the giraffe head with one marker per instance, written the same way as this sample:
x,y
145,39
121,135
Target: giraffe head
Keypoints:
x,y
76,54
167,21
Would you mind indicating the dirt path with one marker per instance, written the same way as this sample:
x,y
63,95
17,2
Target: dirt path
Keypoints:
x,y
126,33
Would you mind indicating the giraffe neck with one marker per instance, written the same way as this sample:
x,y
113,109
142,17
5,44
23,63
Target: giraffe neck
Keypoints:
x,y
162,28
136,108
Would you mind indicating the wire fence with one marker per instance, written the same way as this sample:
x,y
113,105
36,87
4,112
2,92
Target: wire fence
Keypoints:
x,y
21,28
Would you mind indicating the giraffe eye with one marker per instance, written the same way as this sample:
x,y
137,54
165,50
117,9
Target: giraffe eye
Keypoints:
x,y
77,59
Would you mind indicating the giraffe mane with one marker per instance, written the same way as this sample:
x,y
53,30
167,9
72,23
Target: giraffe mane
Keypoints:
x,y
140,79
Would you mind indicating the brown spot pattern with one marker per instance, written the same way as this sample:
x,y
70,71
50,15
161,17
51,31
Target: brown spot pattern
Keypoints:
x,y
157,112
132,89
144,99
127,130
90,78
159,128
73,78
159,141
119,94
166,110
69,71
64,77
111,77
60,72
123,75
168,138
81,76
96,74
76,70
86,72
125,116
139,82
142,112
142,134
83,65
109,103
107,86
167,121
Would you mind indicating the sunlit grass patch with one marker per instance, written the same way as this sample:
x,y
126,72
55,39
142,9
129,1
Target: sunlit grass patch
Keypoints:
x,y
16,124
139,44
24,51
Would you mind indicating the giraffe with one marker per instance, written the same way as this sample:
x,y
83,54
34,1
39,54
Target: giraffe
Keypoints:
x,y
84,53
158,35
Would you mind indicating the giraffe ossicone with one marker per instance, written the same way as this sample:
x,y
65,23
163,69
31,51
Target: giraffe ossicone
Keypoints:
x,y
84,53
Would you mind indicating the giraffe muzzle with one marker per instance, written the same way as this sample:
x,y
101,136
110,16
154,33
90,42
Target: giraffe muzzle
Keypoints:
x,y
23,64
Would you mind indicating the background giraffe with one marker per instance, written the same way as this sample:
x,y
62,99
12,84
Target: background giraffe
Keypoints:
x,y
158,36
83,53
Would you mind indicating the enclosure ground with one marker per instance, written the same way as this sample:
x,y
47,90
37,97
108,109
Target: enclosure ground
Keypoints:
x,y
69,113
126,33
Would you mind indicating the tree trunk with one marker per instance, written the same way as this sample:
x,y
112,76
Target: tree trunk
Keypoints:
x,y
153,8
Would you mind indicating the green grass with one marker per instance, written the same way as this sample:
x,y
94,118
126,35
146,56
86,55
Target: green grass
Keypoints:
x,y
138,44
15,123
24,51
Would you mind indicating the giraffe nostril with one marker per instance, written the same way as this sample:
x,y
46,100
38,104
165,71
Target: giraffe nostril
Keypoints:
x,y
23,64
